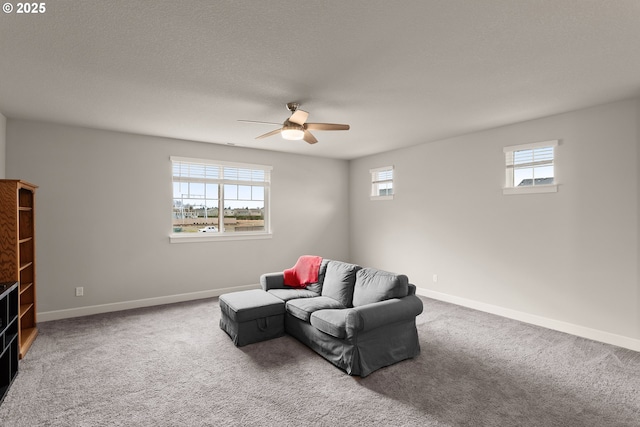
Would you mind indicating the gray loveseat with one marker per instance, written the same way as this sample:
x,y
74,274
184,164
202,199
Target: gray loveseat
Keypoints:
x,y
359,319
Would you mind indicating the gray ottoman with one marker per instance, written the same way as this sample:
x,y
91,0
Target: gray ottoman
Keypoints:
x,y
251,316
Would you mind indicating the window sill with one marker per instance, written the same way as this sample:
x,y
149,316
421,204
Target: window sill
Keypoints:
x,y
212,237
530,190
381,197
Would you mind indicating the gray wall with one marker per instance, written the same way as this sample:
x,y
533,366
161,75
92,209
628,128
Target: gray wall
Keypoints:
x,y
568,260
3,144
104,216
637,172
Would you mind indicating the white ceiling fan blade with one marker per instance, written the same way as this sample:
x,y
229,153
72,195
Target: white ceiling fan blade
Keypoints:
x,y
299,117
273,132
326,126
259,122
309,138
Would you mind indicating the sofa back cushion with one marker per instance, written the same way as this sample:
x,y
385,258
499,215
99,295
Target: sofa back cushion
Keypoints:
x,y
376,285
317,287
339,280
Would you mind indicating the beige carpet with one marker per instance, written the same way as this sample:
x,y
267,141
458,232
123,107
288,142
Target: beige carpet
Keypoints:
x,y
172,366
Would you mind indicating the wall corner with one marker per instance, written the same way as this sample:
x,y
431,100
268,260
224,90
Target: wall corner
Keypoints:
x,y
3,146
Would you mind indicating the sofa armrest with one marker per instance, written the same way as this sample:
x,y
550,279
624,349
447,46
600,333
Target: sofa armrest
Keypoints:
x,y
389,311
272,281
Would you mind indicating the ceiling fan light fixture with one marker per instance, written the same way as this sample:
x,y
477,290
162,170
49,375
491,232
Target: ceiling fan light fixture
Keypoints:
x,y
292,133
296,128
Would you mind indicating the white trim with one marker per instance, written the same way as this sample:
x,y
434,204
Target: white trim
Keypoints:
x,y
381,169
214,237
220,162
530,189
541,144
556,325
128,305
387,197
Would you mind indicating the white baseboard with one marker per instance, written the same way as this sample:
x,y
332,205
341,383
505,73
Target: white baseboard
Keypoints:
x,y
557,325
127,305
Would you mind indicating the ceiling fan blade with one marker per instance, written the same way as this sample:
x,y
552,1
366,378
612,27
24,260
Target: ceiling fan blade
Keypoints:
x,y
326,126
309,138
299,117
259,122
273,132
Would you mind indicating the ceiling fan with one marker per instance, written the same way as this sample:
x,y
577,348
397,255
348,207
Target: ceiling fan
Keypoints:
x,y
296,126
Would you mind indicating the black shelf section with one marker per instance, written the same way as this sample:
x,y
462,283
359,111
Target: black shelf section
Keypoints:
x,y
8,336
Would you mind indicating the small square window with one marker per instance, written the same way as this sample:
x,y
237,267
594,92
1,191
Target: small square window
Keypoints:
x,y
530,168
382,183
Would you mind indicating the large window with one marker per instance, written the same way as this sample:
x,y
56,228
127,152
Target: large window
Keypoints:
x,y
214,198
382,183
530,168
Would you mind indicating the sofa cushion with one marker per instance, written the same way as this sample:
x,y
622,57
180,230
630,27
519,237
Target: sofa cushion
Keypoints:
x,y
332,322
317,287
287,294
374,285
303,307
339,280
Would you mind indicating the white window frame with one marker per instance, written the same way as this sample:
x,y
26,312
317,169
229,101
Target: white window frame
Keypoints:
x,y
221,236
376,182
509,188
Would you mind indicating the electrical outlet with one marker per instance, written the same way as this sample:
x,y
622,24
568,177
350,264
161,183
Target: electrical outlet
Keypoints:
x,y
435,278
79,291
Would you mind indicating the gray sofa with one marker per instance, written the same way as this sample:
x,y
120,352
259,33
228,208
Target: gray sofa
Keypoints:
x,y
359,319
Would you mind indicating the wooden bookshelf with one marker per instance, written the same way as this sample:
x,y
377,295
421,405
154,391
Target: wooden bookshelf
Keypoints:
x,y
18,253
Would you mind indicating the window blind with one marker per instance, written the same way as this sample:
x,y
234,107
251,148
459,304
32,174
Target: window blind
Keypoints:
x,y
530,158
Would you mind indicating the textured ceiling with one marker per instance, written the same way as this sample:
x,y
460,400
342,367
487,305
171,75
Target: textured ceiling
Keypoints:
x,y
400,73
